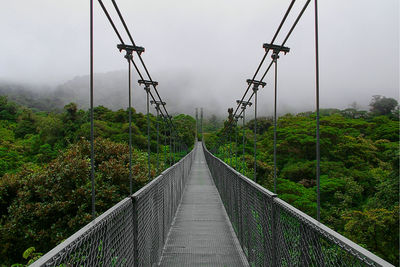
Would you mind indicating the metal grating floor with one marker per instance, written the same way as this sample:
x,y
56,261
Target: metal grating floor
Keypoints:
x,y
201,234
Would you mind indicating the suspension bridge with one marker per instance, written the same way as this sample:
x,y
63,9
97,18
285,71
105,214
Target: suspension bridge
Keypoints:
x,y
201,211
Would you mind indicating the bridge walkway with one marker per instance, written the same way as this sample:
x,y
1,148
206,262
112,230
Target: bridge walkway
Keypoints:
x,y
201,234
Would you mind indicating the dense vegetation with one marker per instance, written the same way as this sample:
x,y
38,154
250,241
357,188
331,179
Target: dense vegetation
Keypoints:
x,y
45,170
359,168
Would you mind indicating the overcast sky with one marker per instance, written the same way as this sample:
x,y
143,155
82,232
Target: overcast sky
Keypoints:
x,y
212,46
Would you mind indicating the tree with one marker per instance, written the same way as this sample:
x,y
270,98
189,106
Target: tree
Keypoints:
x,y
376,229
263,124
381,105
26,124
213,121
40,207
71,111
8,110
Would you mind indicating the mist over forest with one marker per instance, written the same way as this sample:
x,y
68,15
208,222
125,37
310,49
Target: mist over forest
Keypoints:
x,y
111,91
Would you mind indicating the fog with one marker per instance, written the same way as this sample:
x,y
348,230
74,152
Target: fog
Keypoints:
x,y
202,52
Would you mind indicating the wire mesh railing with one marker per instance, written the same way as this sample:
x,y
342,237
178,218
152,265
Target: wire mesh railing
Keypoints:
x,y
273,233
132,232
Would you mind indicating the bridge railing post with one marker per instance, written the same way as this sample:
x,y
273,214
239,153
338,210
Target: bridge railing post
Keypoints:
x,y
135,232
274,231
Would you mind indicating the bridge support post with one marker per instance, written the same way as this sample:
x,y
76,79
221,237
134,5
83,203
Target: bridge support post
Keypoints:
x,y
244,140
92,116
158,138
147,89
275,57
173,147
165,142
244,105
170,146
267,228
135,232
148,133
256,84
129,57
157,106
255,89
274,231
237,117
230,145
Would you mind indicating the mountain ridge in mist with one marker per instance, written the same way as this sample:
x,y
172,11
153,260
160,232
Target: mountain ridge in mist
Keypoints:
x,y
111,90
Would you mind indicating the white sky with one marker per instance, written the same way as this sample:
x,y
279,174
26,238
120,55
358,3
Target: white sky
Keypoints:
x,y
212,46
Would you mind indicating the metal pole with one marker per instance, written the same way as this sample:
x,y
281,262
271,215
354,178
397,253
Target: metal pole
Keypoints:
x,y
173,151
170,146
230,146
91,114
201,122
236,144
158,136
275,118
197,123
165,142
130,124
244,133
317,106
255,134
147,88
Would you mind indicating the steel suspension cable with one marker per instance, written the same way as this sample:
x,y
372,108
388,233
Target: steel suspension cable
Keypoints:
x,y
283,43
170,146
255,135
236,143
275,117
165,141
92,115
317,107
148,131
158,138
266,52
130,124
254,93
244,142
121,40
140,57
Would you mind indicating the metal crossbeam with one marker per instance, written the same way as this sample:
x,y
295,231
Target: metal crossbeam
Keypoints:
x,y
276,48
255,83
130,48
147,83
244,103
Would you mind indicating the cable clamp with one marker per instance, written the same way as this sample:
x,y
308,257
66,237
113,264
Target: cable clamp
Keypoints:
x,y
147,84
256,84
130,49
276,48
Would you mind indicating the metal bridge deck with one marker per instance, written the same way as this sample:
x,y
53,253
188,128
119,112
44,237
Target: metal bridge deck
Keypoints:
x,y
201,234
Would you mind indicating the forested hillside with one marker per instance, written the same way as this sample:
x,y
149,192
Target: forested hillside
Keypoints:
x,y
359,169
45,169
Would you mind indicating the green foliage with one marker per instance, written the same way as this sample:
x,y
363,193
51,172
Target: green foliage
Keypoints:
x,y
8,110
211,123
9,160
42,207
263,124
359,182
381,105
185,126
375,229
26,124
31,255
45,169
